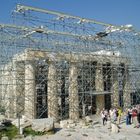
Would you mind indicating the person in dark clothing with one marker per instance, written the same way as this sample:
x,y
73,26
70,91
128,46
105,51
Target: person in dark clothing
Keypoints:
x,y
138,117
129,115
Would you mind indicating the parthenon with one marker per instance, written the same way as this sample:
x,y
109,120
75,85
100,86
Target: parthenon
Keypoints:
x,y
57,65
97,90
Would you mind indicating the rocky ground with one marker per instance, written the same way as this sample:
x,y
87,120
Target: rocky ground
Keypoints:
x,y
93,131
90,128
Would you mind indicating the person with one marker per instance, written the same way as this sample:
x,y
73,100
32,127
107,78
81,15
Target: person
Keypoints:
x,y
129,115
115,115
134,117
111,114
104,116
119,111
138,117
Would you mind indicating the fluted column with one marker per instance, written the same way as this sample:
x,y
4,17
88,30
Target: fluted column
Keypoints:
x,y
127,89
99,85
14,90
30,95
52,92
73,92
20,87
115,87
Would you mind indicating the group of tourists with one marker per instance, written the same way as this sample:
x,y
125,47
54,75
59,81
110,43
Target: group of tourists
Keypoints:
x,y
115,115
133,116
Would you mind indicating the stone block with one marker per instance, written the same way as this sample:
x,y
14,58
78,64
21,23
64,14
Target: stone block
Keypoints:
x,y
114,128
67,124
88,119
23,122
43,125
82,123
108,124
70,121
71,125
64,123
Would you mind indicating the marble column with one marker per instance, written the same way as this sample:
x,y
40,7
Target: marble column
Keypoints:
x,y
99,85
73,92
14,90
20,87
115,87
8,95
127,89
52,92
30,93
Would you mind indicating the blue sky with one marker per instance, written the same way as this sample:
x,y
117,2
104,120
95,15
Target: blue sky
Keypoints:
x,y
118,12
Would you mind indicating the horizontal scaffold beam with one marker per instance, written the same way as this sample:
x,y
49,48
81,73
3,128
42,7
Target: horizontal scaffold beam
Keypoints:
x,y
22,8
31,30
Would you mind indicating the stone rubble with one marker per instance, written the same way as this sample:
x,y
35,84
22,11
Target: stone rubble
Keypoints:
x,y
43,125
84,129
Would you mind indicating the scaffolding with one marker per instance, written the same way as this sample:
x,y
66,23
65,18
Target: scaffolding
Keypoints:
x,y
62,66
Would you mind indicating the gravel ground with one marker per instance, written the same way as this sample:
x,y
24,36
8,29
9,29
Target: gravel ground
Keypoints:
x,y
97,132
